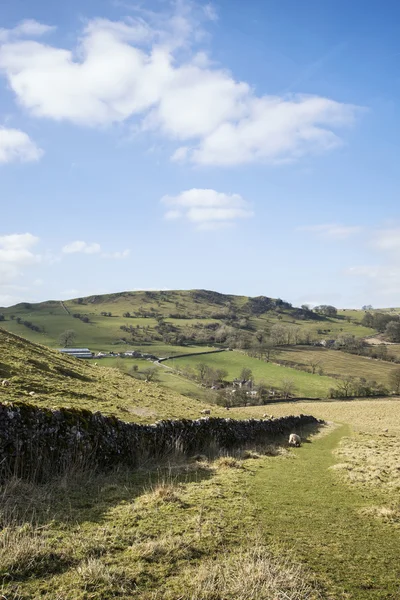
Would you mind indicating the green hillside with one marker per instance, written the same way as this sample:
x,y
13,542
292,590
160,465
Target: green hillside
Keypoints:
x,y
58,380
161,322
306,384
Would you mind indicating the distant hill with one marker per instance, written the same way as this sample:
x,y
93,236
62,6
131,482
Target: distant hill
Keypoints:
x,y
165,321
58,380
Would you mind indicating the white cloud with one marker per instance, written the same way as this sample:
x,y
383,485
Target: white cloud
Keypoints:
x,y
26,28
151,71
82,247
16,252
16,146
207,208
117,255
333,231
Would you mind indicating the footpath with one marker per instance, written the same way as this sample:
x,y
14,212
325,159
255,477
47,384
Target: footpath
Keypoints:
x,y
305,507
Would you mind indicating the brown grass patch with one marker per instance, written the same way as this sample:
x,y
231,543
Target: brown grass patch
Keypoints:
x,y
249,574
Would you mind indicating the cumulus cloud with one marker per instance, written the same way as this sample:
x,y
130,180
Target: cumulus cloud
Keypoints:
x,y
206,208
16,252
153,72
82,247
16,146
333,231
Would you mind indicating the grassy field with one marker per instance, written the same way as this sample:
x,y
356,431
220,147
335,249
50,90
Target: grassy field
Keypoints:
x,y
307,385
196,307
315,523
58,380
338,363
164,377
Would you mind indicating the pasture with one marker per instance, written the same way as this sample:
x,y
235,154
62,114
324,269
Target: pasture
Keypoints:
x,y
188,312
340,364
306,384
263,523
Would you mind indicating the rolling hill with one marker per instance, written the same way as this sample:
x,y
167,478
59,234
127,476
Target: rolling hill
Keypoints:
x,y
161,322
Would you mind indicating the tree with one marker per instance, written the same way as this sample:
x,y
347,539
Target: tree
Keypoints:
x,y
326,309
67,338
2,317
150,373
288,387
246,374
394,379
344,387
314,364
202,369
392,331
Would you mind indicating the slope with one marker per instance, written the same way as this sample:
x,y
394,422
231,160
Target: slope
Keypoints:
x,y
161,322
57,380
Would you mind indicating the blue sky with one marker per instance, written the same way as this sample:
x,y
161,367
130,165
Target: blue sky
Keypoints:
x,y
247,147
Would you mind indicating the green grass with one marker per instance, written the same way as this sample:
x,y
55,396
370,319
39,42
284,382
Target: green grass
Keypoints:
x,y
165,377
307,509
187,532
307,385
104,333
59,380
256,529
339,363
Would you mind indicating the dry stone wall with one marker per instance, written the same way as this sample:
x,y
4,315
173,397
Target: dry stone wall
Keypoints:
x,y
38,443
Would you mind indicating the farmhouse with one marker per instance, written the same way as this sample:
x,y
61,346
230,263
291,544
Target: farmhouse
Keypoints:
x,y
77,352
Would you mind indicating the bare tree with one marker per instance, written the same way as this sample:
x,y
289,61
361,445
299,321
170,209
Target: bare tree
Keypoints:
x,y
246,374
314,363
288,388
344,387
150,373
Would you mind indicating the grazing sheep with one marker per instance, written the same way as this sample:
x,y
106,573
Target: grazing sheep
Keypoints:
x,y
206,411
5,383
32,393
139,390
267,416
294,439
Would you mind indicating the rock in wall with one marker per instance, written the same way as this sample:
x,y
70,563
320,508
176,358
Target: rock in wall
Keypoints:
x,y
38,443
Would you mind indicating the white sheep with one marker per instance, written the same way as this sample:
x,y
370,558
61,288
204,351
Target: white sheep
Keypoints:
x,y
294,439
206,411
5,383
32,394
267,416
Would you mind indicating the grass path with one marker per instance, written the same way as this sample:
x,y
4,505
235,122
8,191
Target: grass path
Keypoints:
x,y
307,508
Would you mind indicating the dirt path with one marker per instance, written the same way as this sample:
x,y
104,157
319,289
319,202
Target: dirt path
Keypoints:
x,y
305,507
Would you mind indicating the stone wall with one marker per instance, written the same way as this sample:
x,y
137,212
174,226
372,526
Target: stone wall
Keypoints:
x,y
38,443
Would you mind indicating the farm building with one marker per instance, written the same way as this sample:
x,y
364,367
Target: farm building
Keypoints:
x,y
77,352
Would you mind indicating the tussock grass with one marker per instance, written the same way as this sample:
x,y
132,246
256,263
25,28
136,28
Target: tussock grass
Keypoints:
x,y
228,462
250,574
130,534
